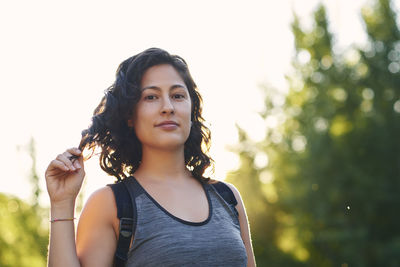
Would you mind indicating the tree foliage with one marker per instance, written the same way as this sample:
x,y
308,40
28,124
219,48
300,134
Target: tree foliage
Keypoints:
x,y
34,177
329,194
23,233
23,225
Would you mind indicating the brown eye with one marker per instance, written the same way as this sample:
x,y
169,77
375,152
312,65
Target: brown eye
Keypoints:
x,y
150,97
179,96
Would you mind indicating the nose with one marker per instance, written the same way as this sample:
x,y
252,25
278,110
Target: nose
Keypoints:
x,y
167,106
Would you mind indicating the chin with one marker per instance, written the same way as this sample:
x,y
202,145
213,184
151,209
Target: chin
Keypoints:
x,y
170,147
168,143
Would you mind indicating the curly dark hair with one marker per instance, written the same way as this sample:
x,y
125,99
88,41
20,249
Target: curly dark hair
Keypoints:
x,y
121,150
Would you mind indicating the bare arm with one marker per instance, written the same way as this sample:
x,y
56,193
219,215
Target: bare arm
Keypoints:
x,y
62,250
96,238
64,180
244,227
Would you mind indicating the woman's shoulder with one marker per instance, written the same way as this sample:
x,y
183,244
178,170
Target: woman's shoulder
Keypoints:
x,y
101,205
103,195
216,181
234,190
98,224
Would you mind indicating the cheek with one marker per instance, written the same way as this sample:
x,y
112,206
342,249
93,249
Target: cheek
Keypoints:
x,y
188,110
143,132
140,122
188,118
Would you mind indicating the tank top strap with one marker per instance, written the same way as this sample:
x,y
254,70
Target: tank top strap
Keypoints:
x,y
135,189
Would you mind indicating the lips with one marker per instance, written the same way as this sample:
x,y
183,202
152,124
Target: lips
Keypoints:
x,y
167,123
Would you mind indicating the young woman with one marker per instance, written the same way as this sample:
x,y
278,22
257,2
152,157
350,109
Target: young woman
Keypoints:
x,y
151,134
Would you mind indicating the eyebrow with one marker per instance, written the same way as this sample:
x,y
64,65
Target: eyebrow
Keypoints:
x,y
175,86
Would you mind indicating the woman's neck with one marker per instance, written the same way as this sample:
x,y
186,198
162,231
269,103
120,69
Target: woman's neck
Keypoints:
x,y
162,165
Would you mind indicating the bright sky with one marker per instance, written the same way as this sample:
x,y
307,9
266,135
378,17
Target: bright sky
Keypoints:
x,y
57,57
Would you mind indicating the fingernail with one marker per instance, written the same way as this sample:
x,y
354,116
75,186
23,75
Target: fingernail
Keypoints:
x,y
78,165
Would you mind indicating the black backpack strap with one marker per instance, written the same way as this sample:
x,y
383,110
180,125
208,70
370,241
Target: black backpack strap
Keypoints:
x,y
126,213
226,193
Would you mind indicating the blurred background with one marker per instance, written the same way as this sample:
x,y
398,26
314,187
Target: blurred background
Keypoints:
x,y
302,98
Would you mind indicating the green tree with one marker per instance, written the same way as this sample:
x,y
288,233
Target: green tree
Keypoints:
x,y
23,233
24,226
332,182
33,176
259,199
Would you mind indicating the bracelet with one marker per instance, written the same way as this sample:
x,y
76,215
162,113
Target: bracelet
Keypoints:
x,y
60,220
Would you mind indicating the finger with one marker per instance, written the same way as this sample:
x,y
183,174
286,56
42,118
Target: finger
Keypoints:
x,y
64,158
74,151
70,156
67,154
56,164
77,163
73,154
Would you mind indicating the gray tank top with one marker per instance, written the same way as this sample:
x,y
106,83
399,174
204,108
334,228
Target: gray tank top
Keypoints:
x,y
161,239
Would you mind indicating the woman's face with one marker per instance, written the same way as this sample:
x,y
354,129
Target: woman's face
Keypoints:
x,y
162,116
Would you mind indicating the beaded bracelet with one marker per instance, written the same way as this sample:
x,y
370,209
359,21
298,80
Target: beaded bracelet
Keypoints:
x,y
60,220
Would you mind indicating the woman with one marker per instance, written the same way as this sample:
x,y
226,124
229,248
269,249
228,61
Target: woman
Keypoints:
x,y
150,131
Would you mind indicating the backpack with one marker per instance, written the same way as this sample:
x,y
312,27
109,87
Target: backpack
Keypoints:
x,y
126,213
